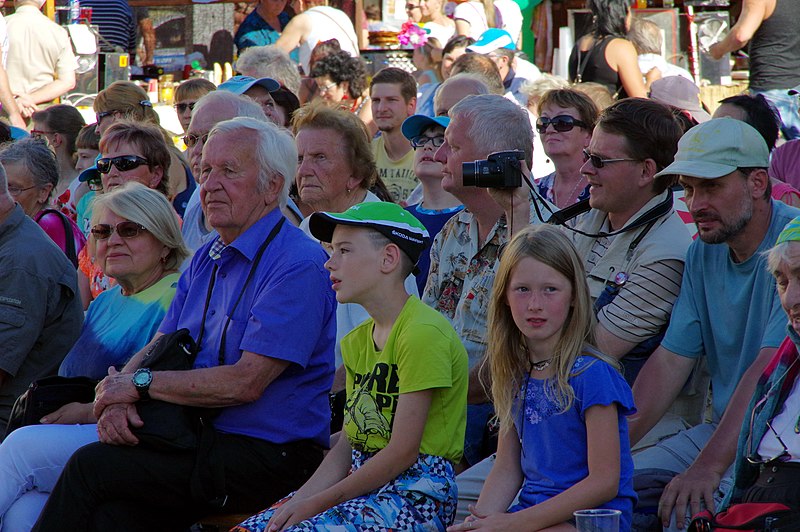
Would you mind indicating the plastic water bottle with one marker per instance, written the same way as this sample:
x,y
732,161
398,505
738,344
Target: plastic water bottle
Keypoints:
x,y
74,11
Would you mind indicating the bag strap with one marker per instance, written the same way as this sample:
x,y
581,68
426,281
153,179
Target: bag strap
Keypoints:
x,y
252,272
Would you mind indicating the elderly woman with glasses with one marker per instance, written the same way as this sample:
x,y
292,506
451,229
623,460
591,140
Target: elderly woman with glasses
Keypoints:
x,y
342,82
767,465
129,151
32,173
565,123
138,242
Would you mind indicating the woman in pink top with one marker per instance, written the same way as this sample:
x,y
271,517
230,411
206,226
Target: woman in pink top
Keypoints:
x,y
32,175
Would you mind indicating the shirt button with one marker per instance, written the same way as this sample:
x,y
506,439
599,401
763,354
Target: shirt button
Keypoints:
x,y
212,312
774,469
770,480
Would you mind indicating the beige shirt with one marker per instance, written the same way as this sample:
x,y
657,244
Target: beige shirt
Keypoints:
x,y
39,50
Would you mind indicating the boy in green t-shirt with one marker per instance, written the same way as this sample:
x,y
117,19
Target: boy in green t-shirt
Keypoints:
x,y
406,389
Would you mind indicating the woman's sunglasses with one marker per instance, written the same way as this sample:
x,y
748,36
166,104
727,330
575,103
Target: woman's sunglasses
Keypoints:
x,y
123,229
123,163
561,123
182,107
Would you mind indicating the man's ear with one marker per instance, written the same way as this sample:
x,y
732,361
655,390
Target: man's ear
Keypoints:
x,y
759,181
649,170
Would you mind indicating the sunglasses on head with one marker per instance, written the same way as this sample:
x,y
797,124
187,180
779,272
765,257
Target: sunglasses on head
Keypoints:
x,y
123,163
599,162
102,114
421,140
561,123
123,229
182,107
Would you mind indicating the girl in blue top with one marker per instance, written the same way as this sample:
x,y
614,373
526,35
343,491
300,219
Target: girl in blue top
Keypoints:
x,y
561,404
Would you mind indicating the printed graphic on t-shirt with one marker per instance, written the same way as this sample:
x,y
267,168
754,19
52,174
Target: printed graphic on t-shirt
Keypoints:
x,y
369,412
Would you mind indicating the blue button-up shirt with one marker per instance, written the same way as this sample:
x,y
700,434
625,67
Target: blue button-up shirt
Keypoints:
x,y
287,312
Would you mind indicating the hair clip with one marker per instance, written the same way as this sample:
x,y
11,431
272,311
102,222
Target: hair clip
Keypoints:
x,y
146,103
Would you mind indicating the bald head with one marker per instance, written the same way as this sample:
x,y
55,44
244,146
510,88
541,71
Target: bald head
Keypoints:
x,y
455,89
211,109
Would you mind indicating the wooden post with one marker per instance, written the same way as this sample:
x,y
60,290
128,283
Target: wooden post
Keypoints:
x,y
50,9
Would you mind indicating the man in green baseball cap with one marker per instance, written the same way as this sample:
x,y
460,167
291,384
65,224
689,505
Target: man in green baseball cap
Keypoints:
x,y
728,311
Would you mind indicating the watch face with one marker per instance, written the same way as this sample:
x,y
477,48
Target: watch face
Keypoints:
x,y
141,378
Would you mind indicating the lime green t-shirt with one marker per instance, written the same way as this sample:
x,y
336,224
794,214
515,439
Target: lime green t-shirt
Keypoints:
x,y
422,352
398,176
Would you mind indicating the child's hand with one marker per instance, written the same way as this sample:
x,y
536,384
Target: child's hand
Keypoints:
x,y
292,512
498,521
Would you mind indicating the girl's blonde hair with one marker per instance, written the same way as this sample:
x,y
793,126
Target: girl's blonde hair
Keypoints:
x,y
507,354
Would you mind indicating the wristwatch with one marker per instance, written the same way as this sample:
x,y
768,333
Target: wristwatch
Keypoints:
x,y
142,378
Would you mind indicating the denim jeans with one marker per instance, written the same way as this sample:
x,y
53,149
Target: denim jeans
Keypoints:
x,y
789,107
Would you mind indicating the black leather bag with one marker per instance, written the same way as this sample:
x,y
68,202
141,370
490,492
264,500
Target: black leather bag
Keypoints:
x,y
47,395
169,426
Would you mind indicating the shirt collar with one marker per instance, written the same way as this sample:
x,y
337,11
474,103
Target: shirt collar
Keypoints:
x,y
248,242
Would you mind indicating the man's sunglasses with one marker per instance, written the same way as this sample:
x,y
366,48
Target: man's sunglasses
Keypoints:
x,y
191,140
182,107
421,140
123,229
599,162
561,123
123,163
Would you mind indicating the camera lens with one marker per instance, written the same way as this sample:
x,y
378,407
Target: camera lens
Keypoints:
x,y
470,173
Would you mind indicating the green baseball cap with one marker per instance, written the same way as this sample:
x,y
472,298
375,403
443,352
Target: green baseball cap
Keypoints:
x,y
389,219
718,147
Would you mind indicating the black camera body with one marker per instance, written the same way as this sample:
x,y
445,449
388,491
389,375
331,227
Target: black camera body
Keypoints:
x,y
499,170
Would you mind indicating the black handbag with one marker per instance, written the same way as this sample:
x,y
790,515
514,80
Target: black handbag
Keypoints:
x,y
169,426
47,395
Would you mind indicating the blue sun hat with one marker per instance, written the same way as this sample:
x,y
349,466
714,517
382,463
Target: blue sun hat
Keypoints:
x,y
491,40
415,125
91,173
241,84
389,219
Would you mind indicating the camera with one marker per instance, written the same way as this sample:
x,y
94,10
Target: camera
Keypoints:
x,y
499,170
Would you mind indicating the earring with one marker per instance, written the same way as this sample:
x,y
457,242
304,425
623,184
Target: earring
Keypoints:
x,y
349,191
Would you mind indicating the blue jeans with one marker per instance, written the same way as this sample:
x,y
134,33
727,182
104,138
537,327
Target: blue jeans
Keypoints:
x,y
789,107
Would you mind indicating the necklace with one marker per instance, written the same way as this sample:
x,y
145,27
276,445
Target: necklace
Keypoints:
x,y
541,365
569,196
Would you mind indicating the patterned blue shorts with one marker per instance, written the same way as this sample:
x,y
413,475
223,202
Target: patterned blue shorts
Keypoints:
x,y
422,498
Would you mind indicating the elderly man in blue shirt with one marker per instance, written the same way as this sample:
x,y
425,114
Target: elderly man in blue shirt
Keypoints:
x,y
266,362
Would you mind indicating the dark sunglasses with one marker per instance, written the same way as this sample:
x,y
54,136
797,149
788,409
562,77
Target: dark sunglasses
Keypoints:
x,y
191,140
123,163
599,162
182,107
101,115
421,140
123,229
561,123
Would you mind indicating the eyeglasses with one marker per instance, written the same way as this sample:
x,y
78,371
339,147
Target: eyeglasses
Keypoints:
x,y
599,162
182,107
101,115
561,123
411,7
420,141
327,88
191,140
123,229
123,163
16,191
39,133
752,454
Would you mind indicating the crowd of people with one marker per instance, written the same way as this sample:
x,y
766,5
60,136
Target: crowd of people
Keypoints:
x,y
471,297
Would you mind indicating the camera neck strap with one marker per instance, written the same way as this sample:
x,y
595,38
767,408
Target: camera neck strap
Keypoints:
x,y
566,214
